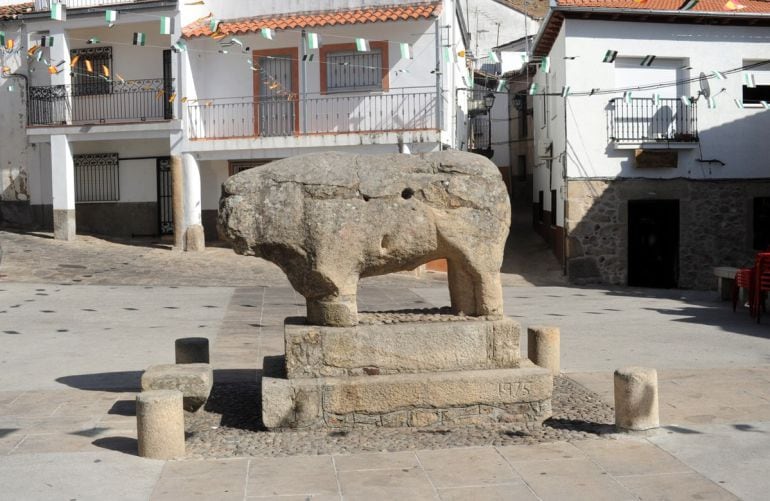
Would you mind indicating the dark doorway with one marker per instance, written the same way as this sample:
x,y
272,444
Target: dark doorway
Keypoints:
x,y
165,215
653,243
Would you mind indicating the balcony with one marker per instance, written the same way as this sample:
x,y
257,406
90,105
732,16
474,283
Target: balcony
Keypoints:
x,y
407,109
100,102
42,5
670,123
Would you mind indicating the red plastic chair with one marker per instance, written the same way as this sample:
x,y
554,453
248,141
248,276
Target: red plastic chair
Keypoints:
x,y
744,279
761,283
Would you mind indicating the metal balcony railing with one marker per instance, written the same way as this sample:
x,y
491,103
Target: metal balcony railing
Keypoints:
x,y
42,5
641,120
396,110
100,102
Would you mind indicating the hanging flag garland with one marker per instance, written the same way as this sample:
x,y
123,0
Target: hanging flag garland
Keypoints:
x,y
110,16
362,45
647,61
267,33
58,11
545,64
609,56
406,51
532,89
46,41
139,38
166,25
313,41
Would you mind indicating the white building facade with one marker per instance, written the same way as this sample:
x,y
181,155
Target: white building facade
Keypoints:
x,y
651,163
134,137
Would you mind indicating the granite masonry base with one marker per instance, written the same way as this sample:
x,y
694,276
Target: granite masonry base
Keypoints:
x,y
403,374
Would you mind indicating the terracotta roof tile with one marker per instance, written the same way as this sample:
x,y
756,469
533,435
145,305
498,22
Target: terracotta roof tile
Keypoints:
x,y
8,12
403,12
751,6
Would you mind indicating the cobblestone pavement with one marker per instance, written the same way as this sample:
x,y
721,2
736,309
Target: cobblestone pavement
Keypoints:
x,y
35,257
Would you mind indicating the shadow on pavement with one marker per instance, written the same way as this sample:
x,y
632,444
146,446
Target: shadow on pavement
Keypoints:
x,y
125,445
104,381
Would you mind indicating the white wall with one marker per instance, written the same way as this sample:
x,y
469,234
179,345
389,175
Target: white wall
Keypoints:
x,y
548,118
213,174
732,135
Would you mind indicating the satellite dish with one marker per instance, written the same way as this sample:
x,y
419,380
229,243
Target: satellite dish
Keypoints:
x,y
705,88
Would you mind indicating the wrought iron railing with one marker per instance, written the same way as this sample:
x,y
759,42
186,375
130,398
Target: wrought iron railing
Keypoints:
x,y
396,110
82,4
645,120
102,102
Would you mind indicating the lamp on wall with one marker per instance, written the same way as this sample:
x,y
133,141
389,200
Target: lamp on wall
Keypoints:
x,y
489,101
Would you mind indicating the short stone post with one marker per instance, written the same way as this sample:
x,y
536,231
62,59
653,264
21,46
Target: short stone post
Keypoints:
x,y
636,398
160,424
192,350
543,347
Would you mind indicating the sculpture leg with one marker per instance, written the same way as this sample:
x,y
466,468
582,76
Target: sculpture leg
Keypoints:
x,y
461,288
489,294
339,309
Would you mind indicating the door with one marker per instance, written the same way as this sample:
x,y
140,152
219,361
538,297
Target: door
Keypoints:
x,y
653,243
165,214
275,110
168,86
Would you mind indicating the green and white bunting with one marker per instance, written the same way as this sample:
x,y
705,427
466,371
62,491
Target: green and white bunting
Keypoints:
x,y
565,91
502,86
738,103
749,81
267,33
111,16
214,25
545,64
406,51
447,54
493,57
647,61
532,89
627,97
609,56
139,38
712,103
46,41
313,41
166,25
765,105
656,99
685,100
690,4
58,11
2,38
362,45
179,46
718,75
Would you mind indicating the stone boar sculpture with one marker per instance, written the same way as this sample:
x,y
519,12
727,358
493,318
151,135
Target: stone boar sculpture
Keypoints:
x,y
328,219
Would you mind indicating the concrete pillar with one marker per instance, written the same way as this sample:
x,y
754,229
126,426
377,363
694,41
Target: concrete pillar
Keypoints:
x,y
63,188
543,347
160,424
192,350
186,200
60,51
636,398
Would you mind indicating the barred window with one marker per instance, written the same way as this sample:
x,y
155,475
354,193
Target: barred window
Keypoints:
x,y
89,83
97,178
237,166
354,70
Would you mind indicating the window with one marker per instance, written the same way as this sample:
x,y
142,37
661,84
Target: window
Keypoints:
x,y
236,166
521,104
759,77
97,178
343,69
762,223
354,71
85,83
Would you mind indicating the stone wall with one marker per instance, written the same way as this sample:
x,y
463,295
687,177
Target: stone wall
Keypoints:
x,y
715,227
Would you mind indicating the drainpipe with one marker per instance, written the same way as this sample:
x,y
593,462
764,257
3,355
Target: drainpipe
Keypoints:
x,y
303,97
565,193
439,106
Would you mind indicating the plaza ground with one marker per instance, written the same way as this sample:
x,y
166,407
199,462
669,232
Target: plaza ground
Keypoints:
x,y
79,322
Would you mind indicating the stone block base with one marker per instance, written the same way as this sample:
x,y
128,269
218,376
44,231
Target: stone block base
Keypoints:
x,y
316,351
193,380
64,224
520,395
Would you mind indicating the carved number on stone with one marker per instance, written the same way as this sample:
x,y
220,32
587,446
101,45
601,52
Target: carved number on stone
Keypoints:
x,y
513,389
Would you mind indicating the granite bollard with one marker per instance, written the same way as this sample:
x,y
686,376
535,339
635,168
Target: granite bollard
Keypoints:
x,y
160,424
191,350
636,398
543,347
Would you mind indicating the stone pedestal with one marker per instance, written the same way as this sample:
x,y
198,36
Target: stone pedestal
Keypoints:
x,y
191,350
636,398
423,373
160,424
544,347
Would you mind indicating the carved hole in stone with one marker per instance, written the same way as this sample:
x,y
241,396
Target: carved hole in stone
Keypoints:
x,y
366,198
385,244
407,193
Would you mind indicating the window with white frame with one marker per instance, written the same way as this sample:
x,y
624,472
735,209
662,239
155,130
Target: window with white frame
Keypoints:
x,y
756,83
347,71
97,177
